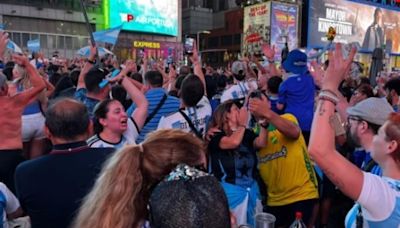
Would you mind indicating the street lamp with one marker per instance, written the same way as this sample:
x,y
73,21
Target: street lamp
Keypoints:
x,y
198,38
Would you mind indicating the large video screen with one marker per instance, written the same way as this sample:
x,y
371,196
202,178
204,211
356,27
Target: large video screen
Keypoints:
x,y
367,25
152,16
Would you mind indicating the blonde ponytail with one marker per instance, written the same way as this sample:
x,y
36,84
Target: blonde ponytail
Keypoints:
x,y
111,203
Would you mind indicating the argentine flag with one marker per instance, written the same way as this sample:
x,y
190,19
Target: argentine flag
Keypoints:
x,y
108,36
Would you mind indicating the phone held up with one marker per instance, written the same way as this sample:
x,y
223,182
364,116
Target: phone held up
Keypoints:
x,y
189,42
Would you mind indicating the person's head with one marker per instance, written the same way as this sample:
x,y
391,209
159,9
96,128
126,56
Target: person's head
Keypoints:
x,y
273,84
120,195
386,144
192,90
238,70
361,93
184,71
296,62
137,77
3,85
19,73
365,118
110,114
93,79
378,15
67,120
225,114
64,83
392,88
191,202
74,75
154,79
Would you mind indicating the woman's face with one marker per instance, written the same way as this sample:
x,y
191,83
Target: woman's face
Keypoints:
x,y
380,145
16,72
116,118
357,97
233,115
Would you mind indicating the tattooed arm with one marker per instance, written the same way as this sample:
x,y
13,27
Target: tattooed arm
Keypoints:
x,y
339,170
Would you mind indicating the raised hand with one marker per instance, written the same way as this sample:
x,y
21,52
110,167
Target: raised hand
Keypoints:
x,y
338,68
194,58
260,107
268,51
21,60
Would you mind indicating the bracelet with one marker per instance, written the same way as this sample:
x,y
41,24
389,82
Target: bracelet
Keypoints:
x,y
265,126
332,97
326,98
329,91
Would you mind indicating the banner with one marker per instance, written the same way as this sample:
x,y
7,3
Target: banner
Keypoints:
x,y
366,25
256,27
33,45
283,27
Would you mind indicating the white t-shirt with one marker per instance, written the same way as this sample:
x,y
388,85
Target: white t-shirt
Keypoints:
x,y
128,138
238,91
9,201
199,115
380,200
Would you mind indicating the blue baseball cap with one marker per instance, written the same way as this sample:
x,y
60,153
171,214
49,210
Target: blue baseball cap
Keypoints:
x,y
296,62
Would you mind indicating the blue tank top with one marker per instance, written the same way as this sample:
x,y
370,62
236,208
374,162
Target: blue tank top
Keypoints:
x,y
33,107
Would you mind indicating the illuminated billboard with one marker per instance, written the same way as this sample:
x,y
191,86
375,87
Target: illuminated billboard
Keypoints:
x,y
367,25
150,16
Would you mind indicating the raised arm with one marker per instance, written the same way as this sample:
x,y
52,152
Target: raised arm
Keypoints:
x,y
36,80
269,53
339,170
261,109
140,113
197,66
3,43
88,65
233,141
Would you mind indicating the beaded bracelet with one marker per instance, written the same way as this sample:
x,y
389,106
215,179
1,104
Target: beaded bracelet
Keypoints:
x,y
327,98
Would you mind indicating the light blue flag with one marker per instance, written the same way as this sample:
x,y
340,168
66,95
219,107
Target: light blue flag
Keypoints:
x,y
108,36
33,45
13,47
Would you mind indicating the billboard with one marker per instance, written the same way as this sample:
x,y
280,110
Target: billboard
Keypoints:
x,y
150,16
256,27
283,27
367,25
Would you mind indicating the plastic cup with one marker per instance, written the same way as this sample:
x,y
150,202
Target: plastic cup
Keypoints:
x,y
264,220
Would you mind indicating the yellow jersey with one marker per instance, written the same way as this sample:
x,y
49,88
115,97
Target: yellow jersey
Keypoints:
x,y
286,169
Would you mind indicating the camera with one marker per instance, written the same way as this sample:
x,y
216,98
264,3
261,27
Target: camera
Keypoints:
x,y
256,94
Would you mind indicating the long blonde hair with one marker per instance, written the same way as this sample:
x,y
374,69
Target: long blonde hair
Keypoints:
x,y
120,195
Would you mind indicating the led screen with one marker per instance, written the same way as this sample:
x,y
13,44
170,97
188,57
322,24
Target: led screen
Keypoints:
x,y
152,16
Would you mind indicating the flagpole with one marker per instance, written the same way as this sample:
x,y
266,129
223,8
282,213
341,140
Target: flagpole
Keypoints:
x,y
89,28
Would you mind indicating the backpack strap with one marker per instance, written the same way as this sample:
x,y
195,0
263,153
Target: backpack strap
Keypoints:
x,y
192,127
154,112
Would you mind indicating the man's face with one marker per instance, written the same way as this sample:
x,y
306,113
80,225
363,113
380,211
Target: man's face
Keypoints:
x,y
352,136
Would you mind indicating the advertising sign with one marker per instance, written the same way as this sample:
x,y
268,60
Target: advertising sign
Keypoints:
x,y
256,27
283,27
152,16
366,25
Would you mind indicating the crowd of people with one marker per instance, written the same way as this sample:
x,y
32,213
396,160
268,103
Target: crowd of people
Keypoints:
x,y
132,144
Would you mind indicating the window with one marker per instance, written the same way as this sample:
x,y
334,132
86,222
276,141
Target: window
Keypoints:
x,y
226,40
43,41
236,39
68,42
25,38
60,42
51,41
213,42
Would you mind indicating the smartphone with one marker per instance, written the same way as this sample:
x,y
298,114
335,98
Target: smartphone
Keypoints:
x,y
113,74
189,45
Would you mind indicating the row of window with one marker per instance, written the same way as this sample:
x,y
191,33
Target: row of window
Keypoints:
x,y
226,40
92,6
50,41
